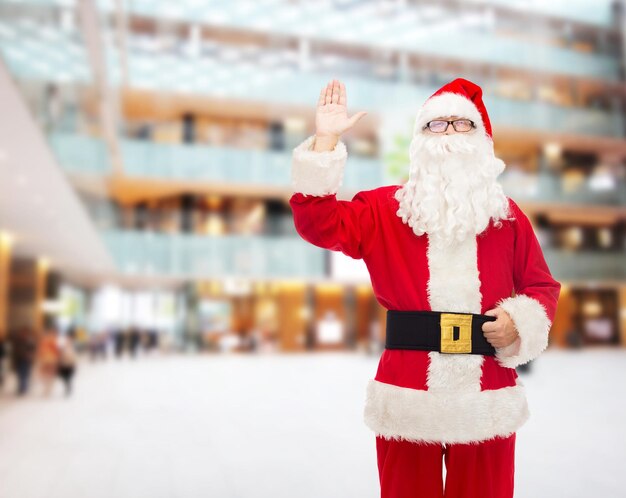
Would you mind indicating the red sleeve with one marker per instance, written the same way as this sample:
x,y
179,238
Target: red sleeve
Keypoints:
x,y
533,307
320,218
324,221
531,275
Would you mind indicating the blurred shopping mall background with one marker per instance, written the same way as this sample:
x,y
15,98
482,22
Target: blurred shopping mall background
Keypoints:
x,y
145,152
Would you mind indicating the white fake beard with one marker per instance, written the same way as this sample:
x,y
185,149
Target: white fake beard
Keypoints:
x,y
452,190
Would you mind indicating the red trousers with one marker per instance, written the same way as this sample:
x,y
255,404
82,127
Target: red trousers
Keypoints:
x,y
415,470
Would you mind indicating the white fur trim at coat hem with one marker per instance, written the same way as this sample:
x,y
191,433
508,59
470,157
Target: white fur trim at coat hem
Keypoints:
x,y
533,325
317,173
455,417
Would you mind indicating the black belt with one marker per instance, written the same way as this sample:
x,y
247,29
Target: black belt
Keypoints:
x,y
443,331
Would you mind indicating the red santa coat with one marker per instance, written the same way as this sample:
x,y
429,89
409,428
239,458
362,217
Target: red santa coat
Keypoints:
x,y
425,395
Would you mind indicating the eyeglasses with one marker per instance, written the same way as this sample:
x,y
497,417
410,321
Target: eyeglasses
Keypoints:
x,y
439,126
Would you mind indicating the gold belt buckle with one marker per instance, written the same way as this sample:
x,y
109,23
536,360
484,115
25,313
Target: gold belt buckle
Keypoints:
x,y
456,333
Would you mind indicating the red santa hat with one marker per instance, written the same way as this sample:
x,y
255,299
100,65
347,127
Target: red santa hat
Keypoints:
x,y
460,98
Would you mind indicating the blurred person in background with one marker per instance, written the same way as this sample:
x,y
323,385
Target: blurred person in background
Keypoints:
x,y
67,360
152,340
23,351
445,252
119,340
97,345
134,341
53,107
48,359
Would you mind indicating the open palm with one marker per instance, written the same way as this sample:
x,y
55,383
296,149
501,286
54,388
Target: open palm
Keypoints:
x,y
331,117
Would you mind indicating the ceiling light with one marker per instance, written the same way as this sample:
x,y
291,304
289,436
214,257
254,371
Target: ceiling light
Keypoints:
x,y
67,21
552,150
6,239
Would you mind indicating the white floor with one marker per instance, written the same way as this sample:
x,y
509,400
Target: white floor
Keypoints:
x,y
284,426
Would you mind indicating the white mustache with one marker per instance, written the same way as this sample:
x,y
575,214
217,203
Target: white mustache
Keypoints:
x,y
444,145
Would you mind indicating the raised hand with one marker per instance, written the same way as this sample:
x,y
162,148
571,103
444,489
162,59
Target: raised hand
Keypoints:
x,y
331,117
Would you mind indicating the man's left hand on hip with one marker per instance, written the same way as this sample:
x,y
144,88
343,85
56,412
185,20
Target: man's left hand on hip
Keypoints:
x,y
501,332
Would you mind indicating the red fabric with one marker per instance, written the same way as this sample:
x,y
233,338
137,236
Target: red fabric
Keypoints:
x,y
368,227
411,470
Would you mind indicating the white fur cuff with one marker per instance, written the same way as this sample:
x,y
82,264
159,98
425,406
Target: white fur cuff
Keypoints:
x,y
317,173
532,323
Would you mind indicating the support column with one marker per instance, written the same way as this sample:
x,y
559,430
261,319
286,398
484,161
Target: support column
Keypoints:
x,y
5,272
329,297
27,292
622,315
291,299
41,276
563,323
620,22
364,318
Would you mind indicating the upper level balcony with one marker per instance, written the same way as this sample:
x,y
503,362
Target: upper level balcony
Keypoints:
x,y
586,266
36,49
198,256
149,161
266,257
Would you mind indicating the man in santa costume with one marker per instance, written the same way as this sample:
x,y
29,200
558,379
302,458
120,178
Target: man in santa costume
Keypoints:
x,y
467,290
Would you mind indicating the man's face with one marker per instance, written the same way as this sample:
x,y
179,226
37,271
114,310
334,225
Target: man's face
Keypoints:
x,y
452,190
450,130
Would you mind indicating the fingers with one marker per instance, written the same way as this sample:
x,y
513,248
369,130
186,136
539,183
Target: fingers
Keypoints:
x,y
336,91
490,326
342,94
493,337
493,325
333,93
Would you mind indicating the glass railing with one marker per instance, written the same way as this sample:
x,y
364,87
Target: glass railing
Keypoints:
x,y
258,256
81,153
142,159
203,256
586,265
541,116
591,12
549,189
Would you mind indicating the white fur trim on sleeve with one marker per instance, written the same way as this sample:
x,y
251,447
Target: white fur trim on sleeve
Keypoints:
x,y
317,173
533,325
